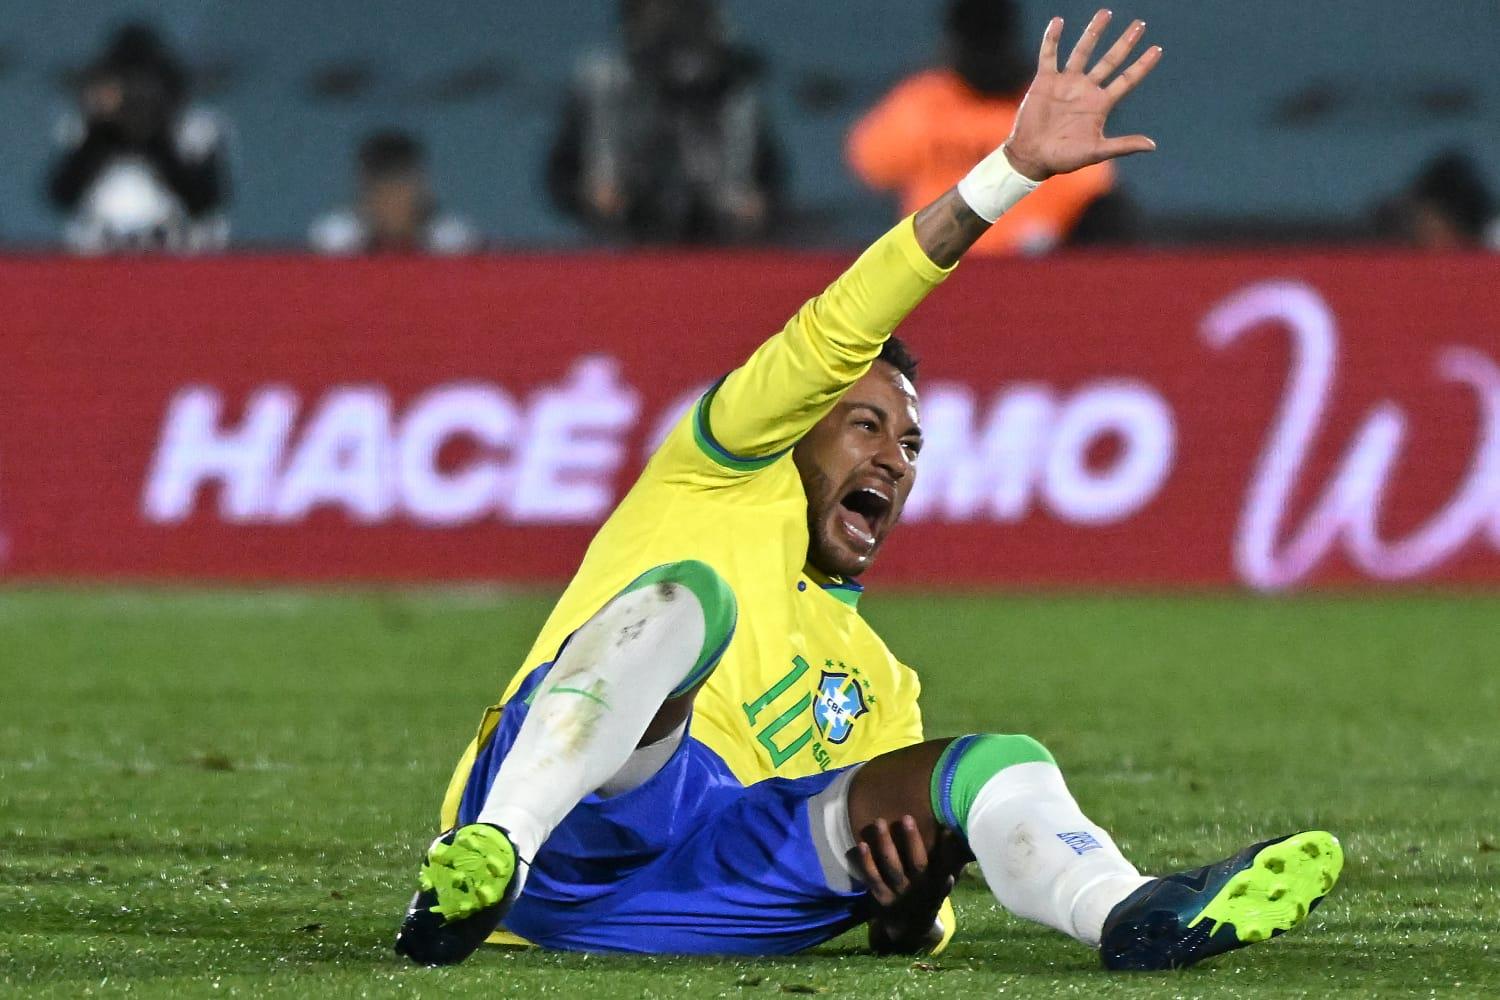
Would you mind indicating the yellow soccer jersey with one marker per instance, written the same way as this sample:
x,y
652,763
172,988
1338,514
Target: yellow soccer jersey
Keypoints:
x,y
804,685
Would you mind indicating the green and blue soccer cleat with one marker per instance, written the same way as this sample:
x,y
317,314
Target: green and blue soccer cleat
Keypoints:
x,y
1263,891
468,882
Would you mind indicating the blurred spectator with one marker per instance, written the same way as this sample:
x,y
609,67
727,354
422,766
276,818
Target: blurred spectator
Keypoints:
x,y
668,140
140,169
933,126
1447,206
395,210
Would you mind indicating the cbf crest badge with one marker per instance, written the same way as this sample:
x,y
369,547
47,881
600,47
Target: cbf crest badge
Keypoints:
x,y
841,700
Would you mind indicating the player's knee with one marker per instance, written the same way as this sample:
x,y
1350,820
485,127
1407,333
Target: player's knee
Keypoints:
x,y
671,586
969,763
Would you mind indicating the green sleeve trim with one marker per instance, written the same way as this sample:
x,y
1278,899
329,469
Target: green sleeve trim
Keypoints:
x,y
968,763
710,446
720,611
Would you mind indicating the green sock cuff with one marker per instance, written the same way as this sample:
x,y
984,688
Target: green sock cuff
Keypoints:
x,y
971,761
720,611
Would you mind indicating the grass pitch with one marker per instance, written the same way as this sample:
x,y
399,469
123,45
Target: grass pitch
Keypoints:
x,y
226,793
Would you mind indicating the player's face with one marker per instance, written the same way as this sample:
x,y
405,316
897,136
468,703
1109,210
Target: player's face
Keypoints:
x,y
857,466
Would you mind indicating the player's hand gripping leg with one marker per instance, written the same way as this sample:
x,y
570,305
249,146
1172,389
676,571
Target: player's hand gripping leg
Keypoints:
x,y
1046,861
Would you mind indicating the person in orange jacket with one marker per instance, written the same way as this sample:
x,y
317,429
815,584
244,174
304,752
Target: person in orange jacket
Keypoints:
x,y
931,128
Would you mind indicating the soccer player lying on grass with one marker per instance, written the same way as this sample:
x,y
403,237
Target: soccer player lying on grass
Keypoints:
x,y
709,751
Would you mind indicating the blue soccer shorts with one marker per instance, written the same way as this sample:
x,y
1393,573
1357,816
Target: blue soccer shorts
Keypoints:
x,y
690,862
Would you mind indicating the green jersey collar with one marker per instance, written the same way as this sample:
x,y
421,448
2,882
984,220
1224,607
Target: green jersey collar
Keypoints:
x,y
845,590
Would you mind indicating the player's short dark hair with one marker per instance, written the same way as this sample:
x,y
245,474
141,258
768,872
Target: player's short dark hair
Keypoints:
x,y
895,353
390,152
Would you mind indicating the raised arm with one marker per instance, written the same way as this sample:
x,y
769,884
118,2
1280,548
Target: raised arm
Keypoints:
x,y
762,408
1059,129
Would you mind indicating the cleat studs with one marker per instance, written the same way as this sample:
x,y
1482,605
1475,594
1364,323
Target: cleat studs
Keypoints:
x,y
1277,891
1239,890
1327,882
1253,934
1311,849
1275,865
1301,911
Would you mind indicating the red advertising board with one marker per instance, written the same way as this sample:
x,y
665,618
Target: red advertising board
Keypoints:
x,y
1272,421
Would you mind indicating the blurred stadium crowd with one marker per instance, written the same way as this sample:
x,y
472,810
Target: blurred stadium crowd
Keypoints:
x,y
668,130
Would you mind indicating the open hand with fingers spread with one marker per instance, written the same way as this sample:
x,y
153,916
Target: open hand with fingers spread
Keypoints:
x,y
1060,125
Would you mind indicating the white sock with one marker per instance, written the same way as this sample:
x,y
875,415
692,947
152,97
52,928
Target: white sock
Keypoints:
x,y
593,708
1043,858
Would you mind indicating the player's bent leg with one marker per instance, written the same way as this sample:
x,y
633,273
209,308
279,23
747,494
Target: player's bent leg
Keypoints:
x,y
1046,861
1043,858
629,670
716,602
1004,794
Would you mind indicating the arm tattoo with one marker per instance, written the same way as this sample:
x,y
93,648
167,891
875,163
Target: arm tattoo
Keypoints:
x,y
947,228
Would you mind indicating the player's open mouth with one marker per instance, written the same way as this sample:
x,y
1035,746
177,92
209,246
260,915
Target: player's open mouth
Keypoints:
x,y
862,512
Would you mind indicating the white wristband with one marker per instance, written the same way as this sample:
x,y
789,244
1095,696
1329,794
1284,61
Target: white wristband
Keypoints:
x,y
993,186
